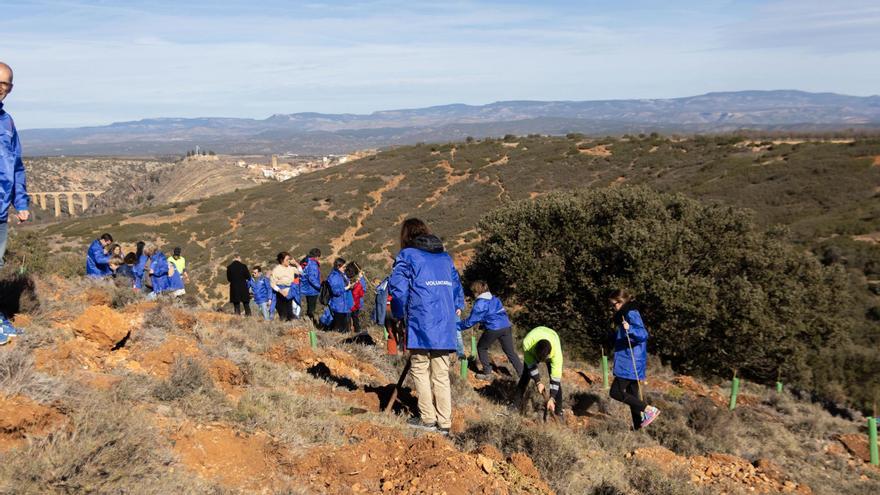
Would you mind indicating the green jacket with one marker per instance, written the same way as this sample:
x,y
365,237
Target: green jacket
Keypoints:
x,y
532,338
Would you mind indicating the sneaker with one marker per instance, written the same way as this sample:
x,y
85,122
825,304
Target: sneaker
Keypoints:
x,y
650,415
487,377
421,425
443,431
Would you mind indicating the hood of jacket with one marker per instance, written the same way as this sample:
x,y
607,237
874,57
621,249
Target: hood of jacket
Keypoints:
x,y
429,243
485,295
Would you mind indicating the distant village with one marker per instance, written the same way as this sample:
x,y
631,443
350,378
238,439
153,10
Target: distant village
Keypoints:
x,y
283,167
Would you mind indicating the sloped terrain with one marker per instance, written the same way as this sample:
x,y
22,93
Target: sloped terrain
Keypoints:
x,y
824,192
191,401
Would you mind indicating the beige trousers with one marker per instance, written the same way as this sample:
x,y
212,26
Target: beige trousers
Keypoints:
x,y
430,373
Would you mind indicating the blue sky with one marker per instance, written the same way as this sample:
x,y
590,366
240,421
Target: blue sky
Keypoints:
x,y
93,62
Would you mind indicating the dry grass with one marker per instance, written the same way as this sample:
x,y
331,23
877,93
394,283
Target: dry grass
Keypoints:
x,y
108,448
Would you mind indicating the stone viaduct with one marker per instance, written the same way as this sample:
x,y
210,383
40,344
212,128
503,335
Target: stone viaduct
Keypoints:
x,y
40,199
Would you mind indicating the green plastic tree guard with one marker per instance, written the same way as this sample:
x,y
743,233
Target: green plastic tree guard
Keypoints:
x,y
313,339
605,373
734,391
778,387
464,367
872,440
473,346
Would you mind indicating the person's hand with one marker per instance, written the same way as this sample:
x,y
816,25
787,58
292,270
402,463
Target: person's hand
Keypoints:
x,y
551,405
625,325
458,313
23,216
540,388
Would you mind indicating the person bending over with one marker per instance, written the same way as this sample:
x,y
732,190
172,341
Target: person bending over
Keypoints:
x,y
541,345
489,312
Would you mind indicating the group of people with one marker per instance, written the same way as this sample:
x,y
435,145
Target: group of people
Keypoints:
x,y
422,299
291,285
426,299
146,269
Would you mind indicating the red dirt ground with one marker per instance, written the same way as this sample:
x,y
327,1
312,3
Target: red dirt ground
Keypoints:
x,y
21,417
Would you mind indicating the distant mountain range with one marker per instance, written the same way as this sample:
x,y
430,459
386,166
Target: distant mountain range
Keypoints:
x,y
316,133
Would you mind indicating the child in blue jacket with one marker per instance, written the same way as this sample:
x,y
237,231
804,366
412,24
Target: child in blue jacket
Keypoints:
x,y
489,312
261,288
630,358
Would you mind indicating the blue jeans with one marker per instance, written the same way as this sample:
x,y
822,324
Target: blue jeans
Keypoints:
x,y
264,310
4,231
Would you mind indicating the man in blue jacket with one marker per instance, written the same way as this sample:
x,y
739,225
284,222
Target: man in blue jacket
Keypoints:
x,y
261,288
311,281
490,313
13,184
97,257
426,290
340,302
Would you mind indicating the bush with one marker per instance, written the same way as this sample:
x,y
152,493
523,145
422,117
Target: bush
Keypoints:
x,y
716,291
188,376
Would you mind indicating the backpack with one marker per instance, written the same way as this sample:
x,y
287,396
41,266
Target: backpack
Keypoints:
x,y
326,293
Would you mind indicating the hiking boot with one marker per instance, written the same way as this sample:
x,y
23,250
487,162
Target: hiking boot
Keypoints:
x,y
418,424
650,415
443,431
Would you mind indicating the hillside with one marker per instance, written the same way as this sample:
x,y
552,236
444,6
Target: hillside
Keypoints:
x,y
824,192
105,393
315,133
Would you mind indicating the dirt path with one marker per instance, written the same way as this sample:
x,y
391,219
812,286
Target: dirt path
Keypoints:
x,y
351,233
451,180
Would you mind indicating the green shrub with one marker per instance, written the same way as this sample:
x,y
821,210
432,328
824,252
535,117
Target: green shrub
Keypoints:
x,y
717,292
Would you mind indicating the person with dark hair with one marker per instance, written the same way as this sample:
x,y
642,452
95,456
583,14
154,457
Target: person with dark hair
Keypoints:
x,y
98,259
340,301
139,266
311,281
179,263
426,293
630,358
541,345
489,312
358,290
125,272
261,288
283,280
238,275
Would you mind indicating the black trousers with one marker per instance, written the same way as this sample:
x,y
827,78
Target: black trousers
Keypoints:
x,y
341,322
506,337
284,307
311,305
236,306
532,373
356,320
627,391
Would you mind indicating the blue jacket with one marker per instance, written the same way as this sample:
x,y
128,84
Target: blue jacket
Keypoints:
x,y
341,301
124,271
489,311
159,265
311,278
426,290
138,272
97,262
175,280
638,336
378,316
13,184
261,288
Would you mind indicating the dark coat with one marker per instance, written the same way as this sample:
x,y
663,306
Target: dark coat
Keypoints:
x,y
237,275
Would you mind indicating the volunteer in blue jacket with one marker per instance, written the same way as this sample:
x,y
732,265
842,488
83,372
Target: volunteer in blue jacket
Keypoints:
x,y
426,291
140,264
311,281
13,183
630,358
157,269
490,313
340,302
261,288
97,257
